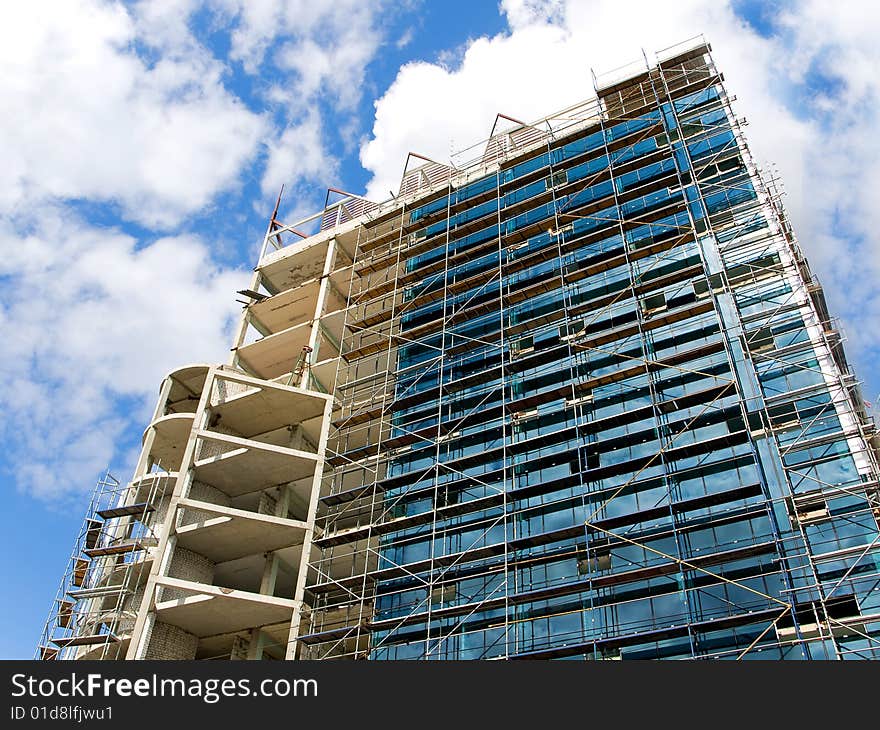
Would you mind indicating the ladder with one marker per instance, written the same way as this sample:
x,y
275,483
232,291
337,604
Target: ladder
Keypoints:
x,y
299,369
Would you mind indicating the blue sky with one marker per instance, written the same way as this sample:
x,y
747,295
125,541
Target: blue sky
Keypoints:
x,y
144,144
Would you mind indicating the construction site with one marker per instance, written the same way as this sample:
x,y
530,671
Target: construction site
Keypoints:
x,y
573,394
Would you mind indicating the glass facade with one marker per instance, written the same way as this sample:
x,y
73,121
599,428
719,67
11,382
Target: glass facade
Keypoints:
x,y
593,407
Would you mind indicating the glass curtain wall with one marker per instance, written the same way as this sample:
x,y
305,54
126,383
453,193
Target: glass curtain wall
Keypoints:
x,y
615,424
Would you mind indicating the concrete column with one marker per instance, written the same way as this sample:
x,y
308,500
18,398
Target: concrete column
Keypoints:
x,y
240,648
296,436
257,644
282,506
270,575
314,339
314,494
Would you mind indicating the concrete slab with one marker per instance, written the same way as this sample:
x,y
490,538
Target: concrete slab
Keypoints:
x,y
212,610
250,469
172,433
187,384
211,647
265,409
113,650
279,352
153,486
295,264
287,309
235,533
276,354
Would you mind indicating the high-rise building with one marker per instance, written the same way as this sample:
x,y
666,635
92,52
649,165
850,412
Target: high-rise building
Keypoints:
x,y
579,397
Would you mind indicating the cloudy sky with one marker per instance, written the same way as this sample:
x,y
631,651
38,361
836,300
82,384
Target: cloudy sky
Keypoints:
x,y
142,145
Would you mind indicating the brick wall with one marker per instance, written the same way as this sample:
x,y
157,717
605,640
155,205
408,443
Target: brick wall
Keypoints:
x,y
187,565
203,493
170,642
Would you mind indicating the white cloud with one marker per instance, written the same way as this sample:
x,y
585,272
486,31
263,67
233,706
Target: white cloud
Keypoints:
x,y
521,13
123,107
299,154
325,45
541,66
829,160
164,24
318,52
431,110
842,160
88,318
91,318
405,39
86,117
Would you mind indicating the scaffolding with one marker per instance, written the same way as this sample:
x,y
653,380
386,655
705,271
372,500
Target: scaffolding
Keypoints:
x,y
435,561
575,394
96,603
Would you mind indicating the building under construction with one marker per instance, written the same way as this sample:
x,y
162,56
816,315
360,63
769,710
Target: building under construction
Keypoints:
x,y
576,397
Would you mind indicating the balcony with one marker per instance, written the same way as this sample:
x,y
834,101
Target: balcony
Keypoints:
x,y
172,433
186,388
